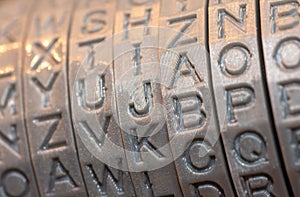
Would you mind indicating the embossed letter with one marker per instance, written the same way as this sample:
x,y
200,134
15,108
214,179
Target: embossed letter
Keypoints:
x,y
238,22
238,98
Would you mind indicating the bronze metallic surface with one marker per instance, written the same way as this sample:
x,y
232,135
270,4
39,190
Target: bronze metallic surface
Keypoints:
x,y
157,98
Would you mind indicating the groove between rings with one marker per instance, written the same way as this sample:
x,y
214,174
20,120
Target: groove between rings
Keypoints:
x,y
122,98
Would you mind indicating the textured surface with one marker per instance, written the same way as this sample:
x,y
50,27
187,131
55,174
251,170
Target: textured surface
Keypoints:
x,y
243,114
149,98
